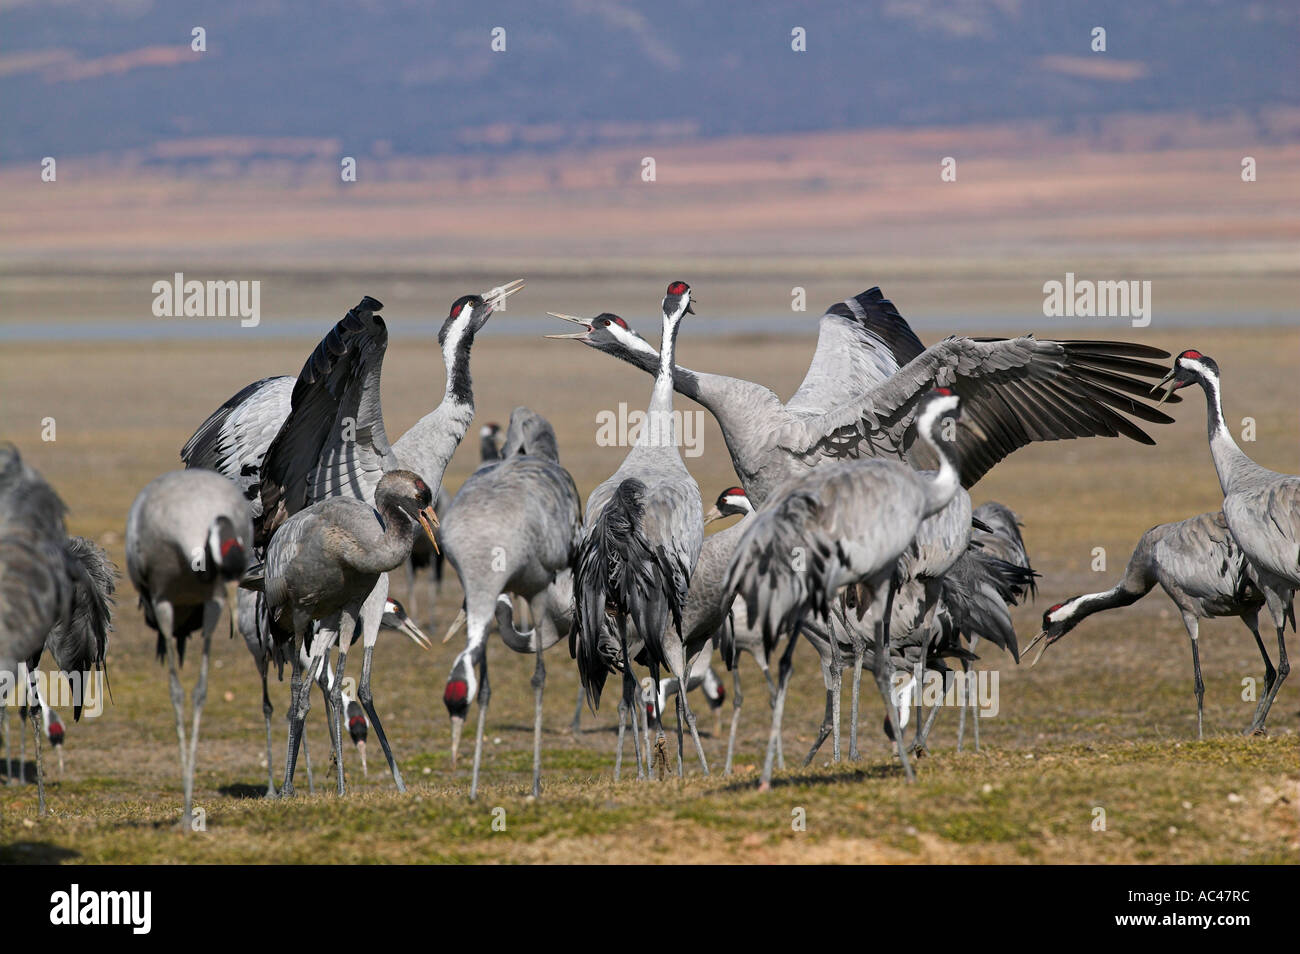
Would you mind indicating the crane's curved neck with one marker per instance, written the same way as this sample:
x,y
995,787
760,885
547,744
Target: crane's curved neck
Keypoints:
x,y
1230,463
659,429
428,446
455,354
394,545
940,488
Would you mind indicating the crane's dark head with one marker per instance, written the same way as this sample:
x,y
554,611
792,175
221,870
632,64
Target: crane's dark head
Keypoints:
x,y
358,728
395,618
226,556
54,728
1057,621
410,495
677,300
731,502
490,431
611,334
1190,367
470,312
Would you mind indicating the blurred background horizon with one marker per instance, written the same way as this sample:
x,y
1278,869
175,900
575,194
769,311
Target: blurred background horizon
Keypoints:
x,y
773,168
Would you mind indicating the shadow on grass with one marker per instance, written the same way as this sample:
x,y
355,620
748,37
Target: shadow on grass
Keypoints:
x,y
842,775
242,790
36,853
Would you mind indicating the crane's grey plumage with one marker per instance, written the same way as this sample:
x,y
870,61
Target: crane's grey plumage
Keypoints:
x,y
513,527
1199,565
55,592
643,538
1262,510
422,554
322,565
869,372
188,535
846,523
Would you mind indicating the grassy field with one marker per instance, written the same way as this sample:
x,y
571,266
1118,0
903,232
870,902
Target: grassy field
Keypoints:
x,y
1105,721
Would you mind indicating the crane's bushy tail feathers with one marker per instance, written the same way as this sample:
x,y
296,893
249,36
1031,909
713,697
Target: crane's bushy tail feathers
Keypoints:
x,y
619,570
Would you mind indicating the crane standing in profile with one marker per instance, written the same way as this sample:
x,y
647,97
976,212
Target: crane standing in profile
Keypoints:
x,y
188,536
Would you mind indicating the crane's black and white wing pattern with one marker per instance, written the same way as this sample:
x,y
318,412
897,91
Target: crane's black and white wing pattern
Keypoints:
x,y
333,443
861,343
1014,391
234,439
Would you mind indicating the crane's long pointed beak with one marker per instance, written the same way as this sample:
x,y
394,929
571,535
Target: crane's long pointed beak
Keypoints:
x,y
713,514
361,749
1041,637
1169,384
496,297
429,520
456,624
457,723
575,320
415,634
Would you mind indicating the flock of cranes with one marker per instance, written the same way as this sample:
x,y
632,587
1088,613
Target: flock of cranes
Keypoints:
x,y
856,533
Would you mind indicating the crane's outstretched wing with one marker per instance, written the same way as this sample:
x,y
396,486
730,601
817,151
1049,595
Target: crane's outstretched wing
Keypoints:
x,y
861,343
1014,391
333,442
234,439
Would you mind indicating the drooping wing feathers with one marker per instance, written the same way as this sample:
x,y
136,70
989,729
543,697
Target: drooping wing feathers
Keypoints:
x,y
861,342
333,442
620,569
235,438
1014,391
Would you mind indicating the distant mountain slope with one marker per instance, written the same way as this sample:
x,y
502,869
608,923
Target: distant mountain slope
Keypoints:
x,y
405,77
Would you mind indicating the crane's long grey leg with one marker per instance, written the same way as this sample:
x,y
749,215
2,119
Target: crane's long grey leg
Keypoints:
x,y
836,681
882,671
681,719
778,710
823,733
37,732
1283,670
211,613
298,688
690,724
22,744
736,699
963,701
854,754
1193,632
267,710
484,697
306,752
1251,619
924,734
347,625
972,680
539,685
623,706
368,703
164,615
576,725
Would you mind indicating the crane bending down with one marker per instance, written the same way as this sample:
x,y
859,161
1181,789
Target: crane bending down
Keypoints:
x,y
513,527
644,530
1201,568
843,524
188,535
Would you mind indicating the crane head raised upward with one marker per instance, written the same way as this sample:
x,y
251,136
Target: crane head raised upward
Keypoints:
x,y
469,312
677,301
